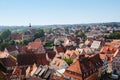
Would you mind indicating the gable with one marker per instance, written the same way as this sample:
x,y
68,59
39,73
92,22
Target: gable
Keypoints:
x,y
75,67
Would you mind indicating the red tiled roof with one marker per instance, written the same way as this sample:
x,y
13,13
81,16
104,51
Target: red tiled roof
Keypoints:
x,y
102,56
60,49
36,45
35,78
83,65
75,67
17,71
71,54
16,36
23,70
73,38
108,50
24,50
95,59
70,47
11,48
8,62
25,59
51,54
54,77
30,59
40,59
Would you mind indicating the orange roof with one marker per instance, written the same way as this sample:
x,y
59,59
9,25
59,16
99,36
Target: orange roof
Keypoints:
x,y
36,45
10,61
60,48
115,43
83,65
75,67
108,49
71,54
79,77
102,56
54,77
16,36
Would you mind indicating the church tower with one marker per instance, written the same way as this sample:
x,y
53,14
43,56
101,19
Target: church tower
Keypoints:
x,y
29,25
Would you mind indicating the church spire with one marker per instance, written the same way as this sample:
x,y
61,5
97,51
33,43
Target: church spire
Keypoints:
x,y
29,24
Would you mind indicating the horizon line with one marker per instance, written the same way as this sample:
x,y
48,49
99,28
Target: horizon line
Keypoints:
x,y
62,24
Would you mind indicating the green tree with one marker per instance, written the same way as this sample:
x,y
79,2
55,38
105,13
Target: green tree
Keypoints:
x,y
68,60
31,39
11,42
50,31
115,35
25,42
66,30
15,55
5,34
1,40
6,43
20,42
3,45
49,44
39,34
79,33
2,67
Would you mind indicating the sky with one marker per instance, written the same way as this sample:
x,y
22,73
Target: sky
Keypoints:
x,y
47,12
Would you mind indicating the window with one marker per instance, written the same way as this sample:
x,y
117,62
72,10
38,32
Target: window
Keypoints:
x,y
90,72
96,64
95,69
117,68
90,65
70,72
84,75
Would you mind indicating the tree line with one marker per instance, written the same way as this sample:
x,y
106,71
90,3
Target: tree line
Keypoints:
x,y
114,35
